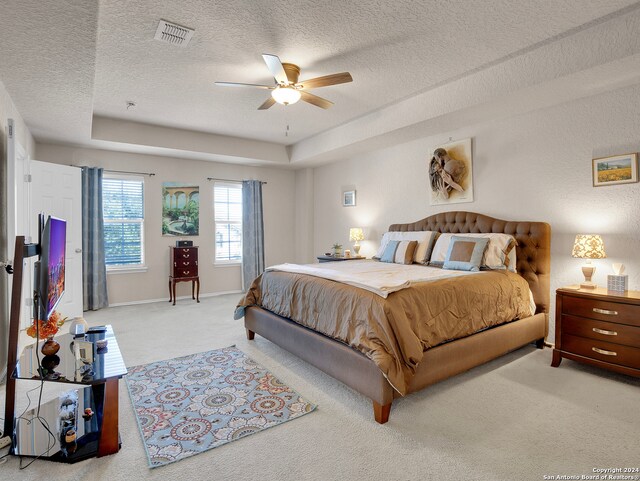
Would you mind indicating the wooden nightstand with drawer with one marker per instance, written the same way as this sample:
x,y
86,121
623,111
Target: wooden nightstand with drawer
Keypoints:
x,y
598,327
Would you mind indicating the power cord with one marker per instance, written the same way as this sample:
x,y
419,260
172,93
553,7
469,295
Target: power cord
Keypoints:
x,y
51,438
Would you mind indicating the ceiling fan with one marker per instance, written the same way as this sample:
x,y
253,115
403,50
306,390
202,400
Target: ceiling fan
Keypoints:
x,y
287,89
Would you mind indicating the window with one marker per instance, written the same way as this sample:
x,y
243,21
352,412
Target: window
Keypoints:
x,y
123,213
227,209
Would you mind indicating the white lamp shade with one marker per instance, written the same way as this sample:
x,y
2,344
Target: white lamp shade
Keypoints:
x,y
285,95
356,234
588,246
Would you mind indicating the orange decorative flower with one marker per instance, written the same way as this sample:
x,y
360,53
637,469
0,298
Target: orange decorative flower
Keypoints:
x,y
47,328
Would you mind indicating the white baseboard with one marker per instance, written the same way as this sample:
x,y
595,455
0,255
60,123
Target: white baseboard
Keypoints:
x,y
164,299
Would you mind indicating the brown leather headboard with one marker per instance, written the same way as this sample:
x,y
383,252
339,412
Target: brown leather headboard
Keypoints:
x,y
534,244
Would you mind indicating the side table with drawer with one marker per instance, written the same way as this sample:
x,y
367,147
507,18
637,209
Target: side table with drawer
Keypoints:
x,y
184,268
598,327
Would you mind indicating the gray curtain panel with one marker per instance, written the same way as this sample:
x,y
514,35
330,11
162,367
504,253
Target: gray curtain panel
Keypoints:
x,y
252,232
94,269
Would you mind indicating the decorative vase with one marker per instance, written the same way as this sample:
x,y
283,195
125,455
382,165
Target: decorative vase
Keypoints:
x,y
337,251
50,347
70,436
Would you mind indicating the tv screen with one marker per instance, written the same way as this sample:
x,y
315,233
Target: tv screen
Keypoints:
x,y
50,273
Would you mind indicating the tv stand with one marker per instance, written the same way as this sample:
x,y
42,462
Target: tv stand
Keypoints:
x,y
95,435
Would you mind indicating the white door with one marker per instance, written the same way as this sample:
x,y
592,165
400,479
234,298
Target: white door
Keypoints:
x,y
18,214
57,190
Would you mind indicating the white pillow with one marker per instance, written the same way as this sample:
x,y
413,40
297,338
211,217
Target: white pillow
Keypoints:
x,y
494,256
425,240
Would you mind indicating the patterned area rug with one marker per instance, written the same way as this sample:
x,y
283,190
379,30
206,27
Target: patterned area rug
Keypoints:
x,y
191,404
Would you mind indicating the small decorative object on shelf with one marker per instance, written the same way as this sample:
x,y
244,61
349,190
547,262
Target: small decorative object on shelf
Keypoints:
x,y
337,249
356,234
78,326
46,330
50,347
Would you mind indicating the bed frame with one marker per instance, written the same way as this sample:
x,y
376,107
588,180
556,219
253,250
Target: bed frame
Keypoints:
x,y
441,362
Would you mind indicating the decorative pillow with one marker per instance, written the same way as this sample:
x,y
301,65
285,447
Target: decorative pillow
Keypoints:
x,y
510,255
426,239
389,253
465,253
500,253
405,251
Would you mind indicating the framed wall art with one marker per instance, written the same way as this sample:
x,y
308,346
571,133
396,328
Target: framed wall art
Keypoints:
x,y
619,169
180,209
451,173
349,198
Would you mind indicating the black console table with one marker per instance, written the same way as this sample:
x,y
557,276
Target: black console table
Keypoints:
x,y
77,436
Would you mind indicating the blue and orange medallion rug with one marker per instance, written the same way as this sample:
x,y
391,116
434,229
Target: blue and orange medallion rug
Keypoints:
x,y
191,404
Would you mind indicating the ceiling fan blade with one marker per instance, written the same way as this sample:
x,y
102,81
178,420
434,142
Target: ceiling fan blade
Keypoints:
x,y
315,100
333,79
235,84
275,67
267,103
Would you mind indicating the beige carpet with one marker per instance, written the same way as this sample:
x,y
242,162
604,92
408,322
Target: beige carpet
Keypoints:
x,y
515,418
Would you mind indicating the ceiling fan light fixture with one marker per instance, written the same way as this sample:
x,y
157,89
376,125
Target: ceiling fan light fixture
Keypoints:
x,y
285,95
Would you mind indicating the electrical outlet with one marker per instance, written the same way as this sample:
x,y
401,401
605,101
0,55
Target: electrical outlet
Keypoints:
x,y
4,442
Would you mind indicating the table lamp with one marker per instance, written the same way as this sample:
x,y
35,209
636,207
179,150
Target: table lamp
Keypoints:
x,y
356,234
588,246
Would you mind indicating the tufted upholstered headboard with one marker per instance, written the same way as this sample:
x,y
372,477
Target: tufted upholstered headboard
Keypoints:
x,y
533,251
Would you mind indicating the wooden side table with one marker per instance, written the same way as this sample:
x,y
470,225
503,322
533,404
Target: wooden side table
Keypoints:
x,y
598,327
324,258
184,268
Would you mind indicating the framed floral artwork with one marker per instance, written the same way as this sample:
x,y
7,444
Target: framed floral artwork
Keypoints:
x,y
619,169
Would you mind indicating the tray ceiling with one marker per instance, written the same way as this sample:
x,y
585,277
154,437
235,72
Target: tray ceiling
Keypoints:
x,y
72,60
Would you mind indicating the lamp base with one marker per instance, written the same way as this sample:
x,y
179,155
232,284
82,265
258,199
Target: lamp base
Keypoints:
x,y
587,270
356,249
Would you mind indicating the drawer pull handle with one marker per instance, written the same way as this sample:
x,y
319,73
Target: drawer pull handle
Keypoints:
x,y
604,311
186,256
185,272
185,250
185,263
602,351
606,333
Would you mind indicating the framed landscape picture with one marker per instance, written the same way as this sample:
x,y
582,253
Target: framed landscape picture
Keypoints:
x,y
619,169
180,209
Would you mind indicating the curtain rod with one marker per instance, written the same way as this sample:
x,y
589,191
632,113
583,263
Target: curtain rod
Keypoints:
x,y
150,174
229,180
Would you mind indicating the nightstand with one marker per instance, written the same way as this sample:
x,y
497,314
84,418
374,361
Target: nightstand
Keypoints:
x,y
598,327
334,259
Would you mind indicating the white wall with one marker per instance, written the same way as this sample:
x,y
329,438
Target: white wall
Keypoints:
x,y
536,166
278,200
7,111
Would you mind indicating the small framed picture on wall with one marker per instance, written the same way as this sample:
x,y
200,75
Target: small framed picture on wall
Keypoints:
x,y
619,169
349,198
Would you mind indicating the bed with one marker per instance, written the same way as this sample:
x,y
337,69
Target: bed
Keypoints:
x,y
441,361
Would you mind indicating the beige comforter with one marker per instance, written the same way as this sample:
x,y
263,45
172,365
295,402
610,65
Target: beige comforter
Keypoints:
x,y
393,332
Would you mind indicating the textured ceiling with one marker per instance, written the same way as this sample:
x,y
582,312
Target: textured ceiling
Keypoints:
x,y
392,48
64,60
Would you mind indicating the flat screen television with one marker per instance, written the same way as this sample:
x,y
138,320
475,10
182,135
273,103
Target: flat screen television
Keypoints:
x,y
49,269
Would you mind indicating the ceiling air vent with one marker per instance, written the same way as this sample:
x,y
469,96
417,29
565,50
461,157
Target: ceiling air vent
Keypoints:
x,y
173,33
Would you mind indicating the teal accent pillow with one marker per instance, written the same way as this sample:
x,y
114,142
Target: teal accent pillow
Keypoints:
x,y
465,253
389,253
